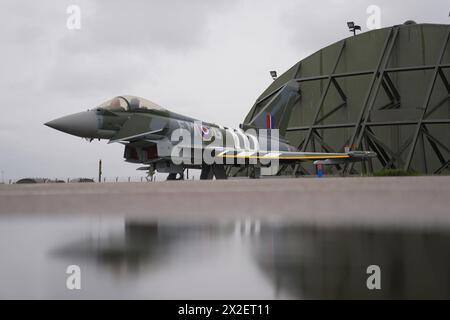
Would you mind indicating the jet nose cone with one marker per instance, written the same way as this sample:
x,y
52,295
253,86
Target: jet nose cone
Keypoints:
x,y
82,124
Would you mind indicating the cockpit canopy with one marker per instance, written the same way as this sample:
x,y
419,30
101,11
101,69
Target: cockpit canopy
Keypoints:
x,y
129,103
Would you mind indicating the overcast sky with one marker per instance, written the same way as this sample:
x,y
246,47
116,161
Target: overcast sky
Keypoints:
x,y
206,59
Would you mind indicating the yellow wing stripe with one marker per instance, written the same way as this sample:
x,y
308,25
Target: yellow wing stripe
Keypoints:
x,y
285,157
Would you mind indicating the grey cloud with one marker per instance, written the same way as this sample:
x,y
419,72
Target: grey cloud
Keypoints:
x,y
120,43
171,25
313,25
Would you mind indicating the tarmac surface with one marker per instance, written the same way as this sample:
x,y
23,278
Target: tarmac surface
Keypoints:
x,y
386,201
305,238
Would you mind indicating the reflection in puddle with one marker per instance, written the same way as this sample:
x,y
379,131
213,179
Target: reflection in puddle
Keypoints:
x,y
236,260
331,263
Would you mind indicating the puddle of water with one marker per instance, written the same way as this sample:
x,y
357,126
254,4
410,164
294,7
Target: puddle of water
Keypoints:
x,y
228,260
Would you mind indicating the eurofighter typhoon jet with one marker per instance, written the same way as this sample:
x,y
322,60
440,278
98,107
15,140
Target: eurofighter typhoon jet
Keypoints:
x,y
168,142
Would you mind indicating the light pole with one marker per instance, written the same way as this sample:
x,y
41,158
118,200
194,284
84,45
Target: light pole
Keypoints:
x,y
100,171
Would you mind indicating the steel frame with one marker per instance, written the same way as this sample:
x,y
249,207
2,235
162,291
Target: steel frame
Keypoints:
x,y
362,135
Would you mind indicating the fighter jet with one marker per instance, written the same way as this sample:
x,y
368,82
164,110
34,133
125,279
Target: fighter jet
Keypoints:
x,y
169,142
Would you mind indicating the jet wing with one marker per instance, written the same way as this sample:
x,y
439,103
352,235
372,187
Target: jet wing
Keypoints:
x,y
297,156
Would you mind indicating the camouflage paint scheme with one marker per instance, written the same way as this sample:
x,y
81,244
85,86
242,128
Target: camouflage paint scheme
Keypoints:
x,y
146,129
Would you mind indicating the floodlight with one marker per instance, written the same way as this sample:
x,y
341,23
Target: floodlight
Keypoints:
x,y
273,74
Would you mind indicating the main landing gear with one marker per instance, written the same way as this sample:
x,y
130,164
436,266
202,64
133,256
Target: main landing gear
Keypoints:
x,y
211,171
175,176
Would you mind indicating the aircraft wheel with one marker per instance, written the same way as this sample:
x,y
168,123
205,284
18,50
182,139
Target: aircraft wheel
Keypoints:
x,y
207,172
172,176
219,172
